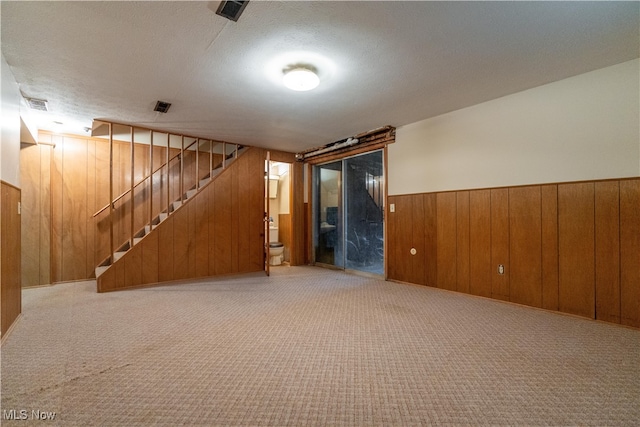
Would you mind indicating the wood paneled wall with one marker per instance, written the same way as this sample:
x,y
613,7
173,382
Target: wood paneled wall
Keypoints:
x,y
297,255
10,275
285,234
218,231
64,186
571,247
35,176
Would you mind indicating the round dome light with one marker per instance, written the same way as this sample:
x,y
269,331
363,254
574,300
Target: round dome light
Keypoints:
x,y
300,79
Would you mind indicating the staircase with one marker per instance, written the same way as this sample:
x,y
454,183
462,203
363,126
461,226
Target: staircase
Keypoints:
x,y
228,153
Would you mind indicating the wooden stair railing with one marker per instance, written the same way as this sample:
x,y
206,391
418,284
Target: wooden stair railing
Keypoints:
x,y
226,153
142,181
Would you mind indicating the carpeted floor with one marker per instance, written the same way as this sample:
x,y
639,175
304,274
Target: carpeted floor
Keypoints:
x,y
306,347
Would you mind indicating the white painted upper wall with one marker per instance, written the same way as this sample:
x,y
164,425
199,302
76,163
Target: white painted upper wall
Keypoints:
x,y
10,133
585,127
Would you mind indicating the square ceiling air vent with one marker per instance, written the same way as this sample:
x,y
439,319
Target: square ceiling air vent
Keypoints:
x,y
231,9
162,106
37,104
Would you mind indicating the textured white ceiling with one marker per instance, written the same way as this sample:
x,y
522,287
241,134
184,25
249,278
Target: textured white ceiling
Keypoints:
x,y
380,63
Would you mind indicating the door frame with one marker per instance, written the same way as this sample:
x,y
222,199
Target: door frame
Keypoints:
x,y
311,230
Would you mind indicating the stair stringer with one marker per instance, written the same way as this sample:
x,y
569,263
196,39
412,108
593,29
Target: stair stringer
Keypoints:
x,y
217,231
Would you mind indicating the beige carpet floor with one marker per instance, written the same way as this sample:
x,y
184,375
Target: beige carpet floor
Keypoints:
x,y
310,347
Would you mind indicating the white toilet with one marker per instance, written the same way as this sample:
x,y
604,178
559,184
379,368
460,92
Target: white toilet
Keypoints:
x,y
276,249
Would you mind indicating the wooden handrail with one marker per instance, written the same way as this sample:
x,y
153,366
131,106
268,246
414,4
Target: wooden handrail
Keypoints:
x,y
140,182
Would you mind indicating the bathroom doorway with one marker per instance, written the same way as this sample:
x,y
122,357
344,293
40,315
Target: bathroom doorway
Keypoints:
x,y
348,213
279,220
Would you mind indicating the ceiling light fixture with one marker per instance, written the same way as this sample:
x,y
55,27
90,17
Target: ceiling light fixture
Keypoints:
x,y
300,78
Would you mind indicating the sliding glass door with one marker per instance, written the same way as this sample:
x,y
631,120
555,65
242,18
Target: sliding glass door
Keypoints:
x,y
348,213
328,218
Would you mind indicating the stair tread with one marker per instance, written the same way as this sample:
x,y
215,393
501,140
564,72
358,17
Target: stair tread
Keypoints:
x,y
100,270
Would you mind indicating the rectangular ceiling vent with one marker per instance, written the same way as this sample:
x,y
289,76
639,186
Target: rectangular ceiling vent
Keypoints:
x,y
231,9
162,107
37,104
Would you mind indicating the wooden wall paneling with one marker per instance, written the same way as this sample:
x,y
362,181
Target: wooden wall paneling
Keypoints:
x,y
500,243
181,243
284,234
133,267
525,242
159,153
91,207
549,239
307,237
56,210
480,269
165,250
141,208
418,274
120,221
142,191
211,219
174,176
141,162
117,218
10,230
391,239
446,240
124,222
462,242
46,154
297,215
204,164
150,259
400,238
576,248
30,179
246,211
191,249
244,192
607,250
222,225
235,219
404,214
256,159
430,240
160,184
629,252
189,169
124,166
101,222
74,219
202,233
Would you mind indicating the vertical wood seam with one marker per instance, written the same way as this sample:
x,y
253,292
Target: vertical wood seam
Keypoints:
x,y
557,236
509,225
541,249
593,207
619,255
51,154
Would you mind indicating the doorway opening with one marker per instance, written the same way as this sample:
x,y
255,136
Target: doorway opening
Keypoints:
x,y
348,213
279,214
